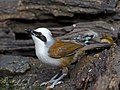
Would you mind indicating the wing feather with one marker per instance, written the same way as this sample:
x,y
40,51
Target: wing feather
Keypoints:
x,y
63,48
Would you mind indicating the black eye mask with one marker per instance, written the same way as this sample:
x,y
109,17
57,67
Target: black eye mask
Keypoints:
x,y
40,36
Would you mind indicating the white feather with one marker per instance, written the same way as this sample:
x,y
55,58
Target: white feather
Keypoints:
x,y
42,48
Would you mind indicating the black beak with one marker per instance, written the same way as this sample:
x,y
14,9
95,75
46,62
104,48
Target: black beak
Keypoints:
x,y
29,31
37,34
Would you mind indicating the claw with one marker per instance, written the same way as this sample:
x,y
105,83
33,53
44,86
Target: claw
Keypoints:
x,y
55,81
54,84
60,82
44,83
50,87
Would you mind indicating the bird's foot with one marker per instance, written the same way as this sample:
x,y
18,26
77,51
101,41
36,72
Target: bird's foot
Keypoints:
x,y
50,81
45,83
54,84
56,80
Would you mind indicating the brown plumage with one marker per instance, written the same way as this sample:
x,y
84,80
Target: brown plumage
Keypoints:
x,y
61,48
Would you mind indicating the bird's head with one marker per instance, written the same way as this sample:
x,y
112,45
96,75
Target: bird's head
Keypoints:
x,y
41,35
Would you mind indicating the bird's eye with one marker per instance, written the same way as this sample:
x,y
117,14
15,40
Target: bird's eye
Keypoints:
x,y
40,36
43,38
37,33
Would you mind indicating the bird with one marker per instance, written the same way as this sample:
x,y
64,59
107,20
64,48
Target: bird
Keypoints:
x,y
53,52
56,52
107,38
103,38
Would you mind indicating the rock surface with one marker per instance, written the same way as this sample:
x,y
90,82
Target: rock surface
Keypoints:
x,y
20,14
30,9
67,19
11,65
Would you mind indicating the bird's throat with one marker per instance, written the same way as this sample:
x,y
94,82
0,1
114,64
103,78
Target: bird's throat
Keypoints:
x,y
42,53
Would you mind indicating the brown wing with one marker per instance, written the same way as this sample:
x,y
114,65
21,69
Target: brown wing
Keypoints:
x,y
63,48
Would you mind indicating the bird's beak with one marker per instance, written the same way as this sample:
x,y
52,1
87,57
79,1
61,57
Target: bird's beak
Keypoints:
x,y
29,31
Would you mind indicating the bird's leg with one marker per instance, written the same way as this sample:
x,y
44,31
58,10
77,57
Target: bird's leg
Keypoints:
x,y
57,81
52,79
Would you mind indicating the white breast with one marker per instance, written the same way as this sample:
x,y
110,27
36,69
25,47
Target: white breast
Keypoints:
x,y
41,49
42,54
